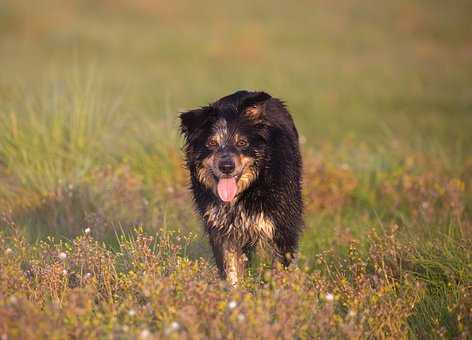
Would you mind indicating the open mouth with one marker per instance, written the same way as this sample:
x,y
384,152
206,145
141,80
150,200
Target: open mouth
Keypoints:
x,y
227,188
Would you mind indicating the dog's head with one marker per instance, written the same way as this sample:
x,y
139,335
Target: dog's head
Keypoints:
x,y
226,142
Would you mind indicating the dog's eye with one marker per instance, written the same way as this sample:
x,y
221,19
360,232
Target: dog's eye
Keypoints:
x,y
242,143
212,143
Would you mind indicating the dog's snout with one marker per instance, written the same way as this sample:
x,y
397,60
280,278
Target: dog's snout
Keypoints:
x,y
226,165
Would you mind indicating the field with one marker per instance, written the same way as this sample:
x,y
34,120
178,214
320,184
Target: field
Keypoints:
x,y
98,236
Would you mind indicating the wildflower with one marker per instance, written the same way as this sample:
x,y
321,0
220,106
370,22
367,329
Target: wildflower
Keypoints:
x,y
62,256
8,251
241,317
149,308
87,276
329,297
232,304
87,231
131,312
145,333
174,326
64,272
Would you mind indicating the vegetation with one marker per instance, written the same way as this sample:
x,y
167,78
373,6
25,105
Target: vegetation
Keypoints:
x,y
98,237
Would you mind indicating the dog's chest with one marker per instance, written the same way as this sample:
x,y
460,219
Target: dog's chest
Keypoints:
x,y
236,221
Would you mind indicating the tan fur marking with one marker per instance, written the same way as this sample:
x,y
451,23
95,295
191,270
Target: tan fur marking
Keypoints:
x,y
204,173
252,228
254,112
231,266
249,174
265,226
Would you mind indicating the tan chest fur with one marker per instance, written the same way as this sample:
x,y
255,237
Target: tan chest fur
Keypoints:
x,y
235,222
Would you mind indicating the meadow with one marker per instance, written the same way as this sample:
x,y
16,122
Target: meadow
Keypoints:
x,y
98,236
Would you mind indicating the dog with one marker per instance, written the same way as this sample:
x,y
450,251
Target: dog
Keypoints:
x,y
243,156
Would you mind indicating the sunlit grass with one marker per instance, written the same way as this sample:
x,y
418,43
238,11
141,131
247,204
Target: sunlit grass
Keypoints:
x,y
89,98
55,136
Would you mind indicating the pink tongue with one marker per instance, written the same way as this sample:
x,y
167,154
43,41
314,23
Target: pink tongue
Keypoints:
x,y
227,189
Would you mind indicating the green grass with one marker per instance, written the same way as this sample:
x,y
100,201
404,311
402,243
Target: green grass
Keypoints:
x,y
381,93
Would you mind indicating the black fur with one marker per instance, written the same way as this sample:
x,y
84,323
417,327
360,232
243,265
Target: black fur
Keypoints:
x,y
269,210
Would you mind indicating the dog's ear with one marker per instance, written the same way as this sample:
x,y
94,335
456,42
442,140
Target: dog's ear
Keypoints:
x,y
254,106
192,120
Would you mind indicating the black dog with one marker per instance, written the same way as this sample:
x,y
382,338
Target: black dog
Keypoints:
x,y
244,160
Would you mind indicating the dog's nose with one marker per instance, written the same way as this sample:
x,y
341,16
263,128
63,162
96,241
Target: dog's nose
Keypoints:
x,y
226,166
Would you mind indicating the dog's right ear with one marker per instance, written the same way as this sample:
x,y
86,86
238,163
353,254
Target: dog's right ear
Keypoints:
x,y
192,120
255,105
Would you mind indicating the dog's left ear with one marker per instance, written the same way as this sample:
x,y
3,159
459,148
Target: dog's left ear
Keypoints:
x,y
192,120
254,106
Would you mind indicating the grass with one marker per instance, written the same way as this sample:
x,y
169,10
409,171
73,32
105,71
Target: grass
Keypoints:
x,y
89,96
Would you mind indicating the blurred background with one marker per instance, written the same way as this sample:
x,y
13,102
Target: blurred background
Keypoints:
x,y
90,93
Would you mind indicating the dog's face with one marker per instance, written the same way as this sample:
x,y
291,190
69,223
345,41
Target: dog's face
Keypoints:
x,y
226,143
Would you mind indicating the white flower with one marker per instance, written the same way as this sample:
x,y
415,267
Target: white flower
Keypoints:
x,y
131,312
329,297
174,326
62,256
64,272
241,317
87,231
8,251
232,304
87,276
144,334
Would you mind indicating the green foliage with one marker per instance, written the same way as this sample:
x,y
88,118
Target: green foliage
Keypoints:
x,y
147,287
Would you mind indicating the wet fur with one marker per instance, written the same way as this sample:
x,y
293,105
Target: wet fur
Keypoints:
x,y
267,210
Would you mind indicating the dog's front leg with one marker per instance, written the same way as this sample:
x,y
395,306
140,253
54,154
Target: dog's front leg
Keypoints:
x,y
284,249
229,257
233,264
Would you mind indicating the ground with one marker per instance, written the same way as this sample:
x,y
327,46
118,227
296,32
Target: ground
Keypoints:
x,y
98,235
